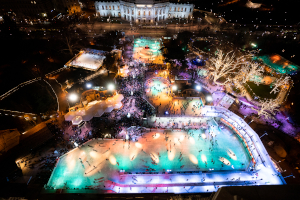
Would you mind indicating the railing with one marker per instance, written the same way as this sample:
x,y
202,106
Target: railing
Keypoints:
x,y
252,136
18,87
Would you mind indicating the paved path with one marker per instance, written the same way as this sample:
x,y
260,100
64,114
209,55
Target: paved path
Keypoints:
x,y
62,98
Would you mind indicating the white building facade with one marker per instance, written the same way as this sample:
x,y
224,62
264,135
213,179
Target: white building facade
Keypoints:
x,y
144,11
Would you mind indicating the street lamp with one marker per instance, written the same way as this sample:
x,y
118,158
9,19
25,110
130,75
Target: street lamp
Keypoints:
x,y
110,87
198,87
88,85
174,87
73,97
209,98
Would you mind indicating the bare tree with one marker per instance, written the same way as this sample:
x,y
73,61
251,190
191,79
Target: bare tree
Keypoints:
x,y
281,82
249,71
268,108
252,72
71,37
224,66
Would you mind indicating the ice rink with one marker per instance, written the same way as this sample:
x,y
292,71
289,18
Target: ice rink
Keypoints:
x,y
155,152
159,92
152,54
88,61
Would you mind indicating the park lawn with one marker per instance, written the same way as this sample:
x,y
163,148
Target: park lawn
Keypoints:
x,y
262,91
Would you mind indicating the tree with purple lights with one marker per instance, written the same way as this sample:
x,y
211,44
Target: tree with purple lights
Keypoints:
x,y
225,65
268,108
281,82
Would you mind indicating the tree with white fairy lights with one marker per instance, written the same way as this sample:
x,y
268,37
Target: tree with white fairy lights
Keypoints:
x,y
268,108
248,71
281,82
252,71
225,65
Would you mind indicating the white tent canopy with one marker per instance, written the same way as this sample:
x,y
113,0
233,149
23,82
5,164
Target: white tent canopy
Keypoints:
x,y
109,108
87,117
115,99
80,112
118,98
95,109
69,116
117,105
109,101
100,112
76,120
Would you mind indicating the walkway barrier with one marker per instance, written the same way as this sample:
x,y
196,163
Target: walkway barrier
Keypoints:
x,y
241,136
261,154
18,87
163,172
146,99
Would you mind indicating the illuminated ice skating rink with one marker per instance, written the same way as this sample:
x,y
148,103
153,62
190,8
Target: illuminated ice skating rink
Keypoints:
x,y
88,61
154,151
150,55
